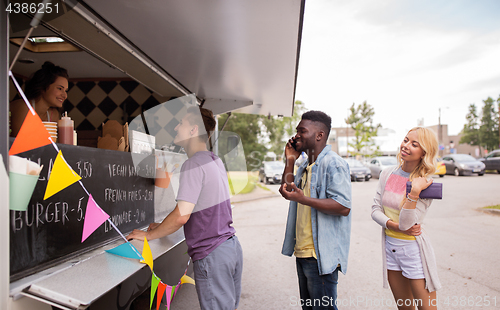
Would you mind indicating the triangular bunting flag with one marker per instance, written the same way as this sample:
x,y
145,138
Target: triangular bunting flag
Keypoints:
x,y
61,177
126,250
146,253
174,290
168,292
32,135
94,217
187,279
159,294
154,285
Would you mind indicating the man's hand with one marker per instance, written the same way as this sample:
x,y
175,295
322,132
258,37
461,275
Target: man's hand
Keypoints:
x,y
290,152
153,226
137,234
291,193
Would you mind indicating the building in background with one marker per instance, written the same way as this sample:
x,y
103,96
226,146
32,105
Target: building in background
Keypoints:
x,y
389,140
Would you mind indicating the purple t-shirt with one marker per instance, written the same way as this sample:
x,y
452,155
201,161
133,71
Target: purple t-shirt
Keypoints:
x,y
203,181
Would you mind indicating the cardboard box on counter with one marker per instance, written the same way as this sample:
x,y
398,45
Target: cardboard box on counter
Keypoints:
x,y
114,136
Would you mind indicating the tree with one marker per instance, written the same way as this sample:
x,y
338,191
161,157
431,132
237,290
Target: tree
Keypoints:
x,y
248,127
489,126
361,120
255,131
280,129
470,132
482,130
498,101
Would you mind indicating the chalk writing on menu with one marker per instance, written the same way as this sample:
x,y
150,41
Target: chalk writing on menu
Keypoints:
x,y
123,190
61,211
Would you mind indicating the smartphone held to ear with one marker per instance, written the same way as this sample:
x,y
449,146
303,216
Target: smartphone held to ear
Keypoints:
x,y
294,143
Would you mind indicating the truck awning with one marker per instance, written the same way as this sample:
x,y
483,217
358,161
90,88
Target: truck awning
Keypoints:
x,y
235,55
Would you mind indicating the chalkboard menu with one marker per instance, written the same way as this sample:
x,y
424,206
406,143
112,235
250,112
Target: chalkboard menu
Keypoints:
x,y
51,230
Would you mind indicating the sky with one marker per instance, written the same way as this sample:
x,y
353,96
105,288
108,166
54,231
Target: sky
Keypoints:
x,y
407,59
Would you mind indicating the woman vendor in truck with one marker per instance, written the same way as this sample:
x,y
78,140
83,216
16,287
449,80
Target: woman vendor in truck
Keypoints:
x,y
46,92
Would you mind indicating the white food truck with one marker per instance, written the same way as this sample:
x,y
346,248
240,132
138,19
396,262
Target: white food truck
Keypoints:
x,y
124,58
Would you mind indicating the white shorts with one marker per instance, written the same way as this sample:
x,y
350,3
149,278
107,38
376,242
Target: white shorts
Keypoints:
x,y
404,255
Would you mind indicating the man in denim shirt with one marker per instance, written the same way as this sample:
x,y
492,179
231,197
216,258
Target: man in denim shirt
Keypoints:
x,y
318,229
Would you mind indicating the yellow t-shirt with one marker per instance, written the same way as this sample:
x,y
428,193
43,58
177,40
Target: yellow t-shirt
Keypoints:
x,y
304,245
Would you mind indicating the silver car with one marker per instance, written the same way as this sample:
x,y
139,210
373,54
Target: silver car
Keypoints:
x,y
271,172
463,164
377,164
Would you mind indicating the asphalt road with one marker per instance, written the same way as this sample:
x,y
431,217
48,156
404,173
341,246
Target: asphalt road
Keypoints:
x,y
465,239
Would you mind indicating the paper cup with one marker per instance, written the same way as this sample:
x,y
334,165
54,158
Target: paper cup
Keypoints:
x,y
21,189
50,125
17,164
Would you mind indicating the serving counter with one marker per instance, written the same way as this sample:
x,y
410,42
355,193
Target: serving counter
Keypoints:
x,y
50,263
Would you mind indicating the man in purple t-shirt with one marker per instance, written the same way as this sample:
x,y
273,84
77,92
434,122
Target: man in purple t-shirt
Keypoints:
x,y
204,209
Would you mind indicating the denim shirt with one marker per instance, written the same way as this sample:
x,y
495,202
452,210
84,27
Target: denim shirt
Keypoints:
x,y
330,179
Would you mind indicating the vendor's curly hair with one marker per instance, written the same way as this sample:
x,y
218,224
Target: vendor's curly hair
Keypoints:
x,y
43,78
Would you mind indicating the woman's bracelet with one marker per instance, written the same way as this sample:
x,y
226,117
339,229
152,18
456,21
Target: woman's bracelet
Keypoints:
x,y
409,199
413,197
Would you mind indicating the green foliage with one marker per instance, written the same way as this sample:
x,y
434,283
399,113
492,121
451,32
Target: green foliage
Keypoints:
x,y
248,127
361,120
482,130
470,132
254,130
489,125
280,129
247,182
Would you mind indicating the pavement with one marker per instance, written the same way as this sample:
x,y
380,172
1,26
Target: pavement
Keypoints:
x,y
464,237
260,192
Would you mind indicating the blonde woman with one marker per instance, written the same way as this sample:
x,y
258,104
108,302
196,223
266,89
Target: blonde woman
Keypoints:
x,y
408,258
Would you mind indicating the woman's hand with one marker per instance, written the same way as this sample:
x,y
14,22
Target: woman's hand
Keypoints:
x,y
419,184
415,230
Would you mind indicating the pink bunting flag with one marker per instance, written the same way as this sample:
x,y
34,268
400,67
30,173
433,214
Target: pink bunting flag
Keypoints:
x,y
94,217
168,292
159,294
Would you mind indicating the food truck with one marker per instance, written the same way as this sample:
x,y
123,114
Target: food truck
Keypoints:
x,y
125,59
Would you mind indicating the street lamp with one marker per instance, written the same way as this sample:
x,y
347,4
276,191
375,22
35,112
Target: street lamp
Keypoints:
x,y
440,132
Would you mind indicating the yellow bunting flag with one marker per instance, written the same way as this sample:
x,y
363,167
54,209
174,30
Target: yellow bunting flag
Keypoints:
x,y
146,254
187,279
61,177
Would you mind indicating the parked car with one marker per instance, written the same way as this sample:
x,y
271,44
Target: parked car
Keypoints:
x,y
358,170
463,164
271,172
377,164
492,161
441,168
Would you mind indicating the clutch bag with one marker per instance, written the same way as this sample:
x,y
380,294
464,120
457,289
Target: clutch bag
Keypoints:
x,y
434,191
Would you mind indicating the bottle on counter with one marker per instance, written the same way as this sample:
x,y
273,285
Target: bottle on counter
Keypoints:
x,y
65,129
